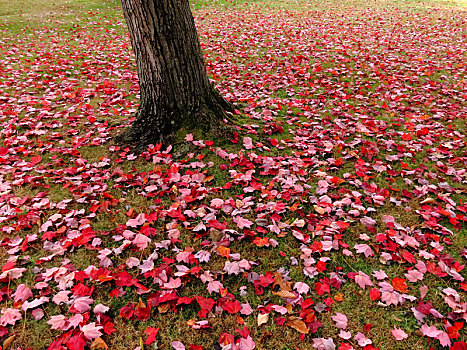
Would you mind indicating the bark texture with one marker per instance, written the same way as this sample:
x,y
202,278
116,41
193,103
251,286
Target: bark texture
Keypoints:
x,y
174,85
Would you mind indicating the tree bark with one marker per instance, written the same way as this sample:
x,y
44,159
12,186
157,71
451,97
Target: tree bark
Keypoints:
x,y
175,88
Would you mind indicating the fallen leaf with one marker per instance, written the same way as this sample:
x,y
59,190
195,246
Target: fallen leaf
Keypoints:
x,y
99,344
297,324
262,319
8,341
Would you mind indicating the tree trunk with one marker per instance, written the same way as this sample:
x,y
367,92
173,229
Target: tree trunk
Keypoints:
x,y
175,88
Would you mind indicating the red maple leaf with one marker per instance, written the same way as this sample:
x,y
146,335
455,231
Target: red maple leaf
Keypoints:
x,y
152,333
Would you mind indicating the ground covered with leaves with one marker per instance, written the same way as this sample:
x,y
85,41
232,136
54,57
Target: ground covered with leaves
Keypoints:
x,y
334,219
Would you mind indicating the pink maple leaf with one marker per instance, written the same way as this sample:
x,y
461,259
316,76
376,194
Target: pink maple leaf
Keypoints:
x,y
91,331
443,338
367,221
247,142
364,249
324,344
22,293
232,268
246,344
246,309
414,276
10,316
141,241
177,345
57,322
341,320
217,203
345,335
138,221
362,340
301,288
173,283
74,321
214,286
390,298
61,297
83,304
399,334
242,222
431,331
99,308
363,280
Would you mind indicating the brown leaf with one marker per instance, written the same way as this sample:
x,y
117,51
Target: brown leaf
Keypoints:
x,y
163,308
289,308
99,344
284,294
297,324
279,281
262,319
8,341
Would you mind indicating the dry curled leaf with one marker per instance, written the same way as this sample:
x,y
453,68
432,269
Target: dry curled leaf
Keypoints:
x,y
297,324
262,319
428,200
8,341
99,344
284,294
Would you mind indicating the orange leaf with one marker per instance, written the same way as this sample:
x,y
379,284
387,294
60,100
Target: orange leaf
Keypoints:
x,y
163,308
99,344
208,178
339,297
223,251
399,284
140,304
260,242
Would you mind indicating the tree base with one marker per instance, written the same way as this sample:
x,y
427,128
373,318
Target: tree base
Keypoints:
x,y
162,127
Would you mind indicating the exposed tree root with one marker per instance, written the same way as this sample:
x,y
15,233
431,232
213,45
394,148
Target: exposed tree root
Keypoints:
x,y
158,126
